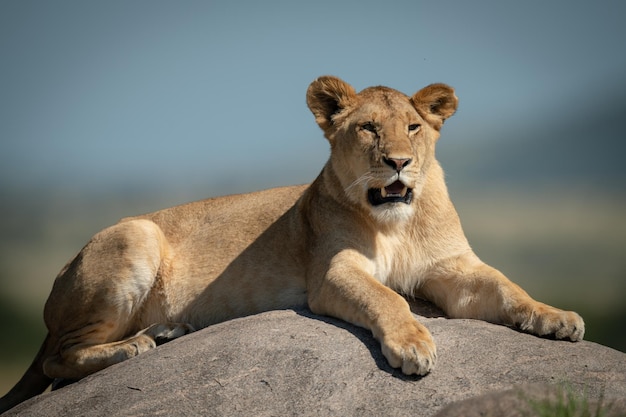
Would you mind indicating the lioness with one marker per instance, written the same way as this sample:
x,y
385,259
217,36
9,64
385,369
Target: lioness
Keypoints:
x,y
377,222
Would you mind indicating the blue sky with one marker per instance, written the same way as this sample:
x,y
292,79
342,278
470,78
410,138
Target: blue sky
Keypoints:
x,y
213,92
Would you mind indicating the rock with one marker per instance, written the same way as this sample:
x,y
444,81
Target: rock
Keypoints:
x,y
295,363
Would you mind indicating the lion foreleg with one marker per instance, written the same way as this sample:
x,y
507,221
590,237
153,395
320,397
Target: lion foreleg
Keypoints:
x,y
351,294
467,288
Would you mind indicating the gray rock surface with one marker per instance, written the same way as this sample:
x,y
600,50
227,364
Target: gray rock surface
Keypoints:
x,y
294,363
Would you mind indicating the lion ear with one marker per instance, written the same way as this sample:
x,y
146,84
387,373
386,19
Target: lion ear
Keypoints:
x,y
435,103
326,97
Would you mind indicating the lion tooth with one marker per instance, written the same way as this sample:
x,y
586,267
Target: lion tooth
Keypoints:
x,y
404,191
383,192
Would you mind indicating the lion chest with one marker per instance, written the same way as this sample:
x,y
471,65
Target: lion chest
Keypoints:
x,y
399,263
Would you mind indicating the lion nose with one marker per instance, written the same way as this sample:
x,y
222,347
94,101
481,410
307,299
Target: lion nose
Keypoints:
x,y
397,163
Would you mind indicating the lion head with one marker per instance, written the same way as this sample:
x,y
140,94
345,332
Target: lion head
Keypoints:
x,y
382,141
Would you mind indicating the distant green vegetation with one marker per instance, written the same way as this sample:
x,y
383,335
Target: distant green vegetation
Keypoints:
x,y
567,403
604,328
22,336
23,333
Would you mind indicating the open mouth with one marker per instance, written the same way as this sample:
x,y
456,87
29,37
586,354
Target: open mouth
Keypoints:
x,y
393,193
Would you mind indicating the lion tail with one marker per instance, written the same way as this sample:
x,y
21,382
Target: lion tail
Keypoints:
x,y
33,382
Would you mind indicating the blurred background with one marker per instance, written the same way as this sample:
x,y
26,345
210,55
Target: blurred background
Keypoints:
x,y
116,108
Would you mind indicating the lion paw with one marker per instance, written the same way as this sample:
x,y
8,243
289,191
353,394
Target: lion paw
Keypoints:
x,y
410,348
164,332
549,321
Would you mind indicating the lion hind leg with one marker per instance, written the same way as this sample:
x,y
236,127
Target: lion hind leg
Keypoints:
x,y
83,359
103,296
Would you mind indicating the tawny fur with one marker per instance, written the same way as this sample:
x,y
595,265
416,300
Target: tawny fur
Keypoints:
x,y
326,246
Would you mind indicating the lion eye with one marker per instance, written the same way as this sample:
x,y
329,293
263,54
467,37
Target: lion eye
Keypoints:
x,y
369,126
414,127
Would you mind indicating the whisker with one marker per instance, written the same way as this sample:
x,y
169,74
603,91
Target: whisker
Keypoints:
x,y
363,178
